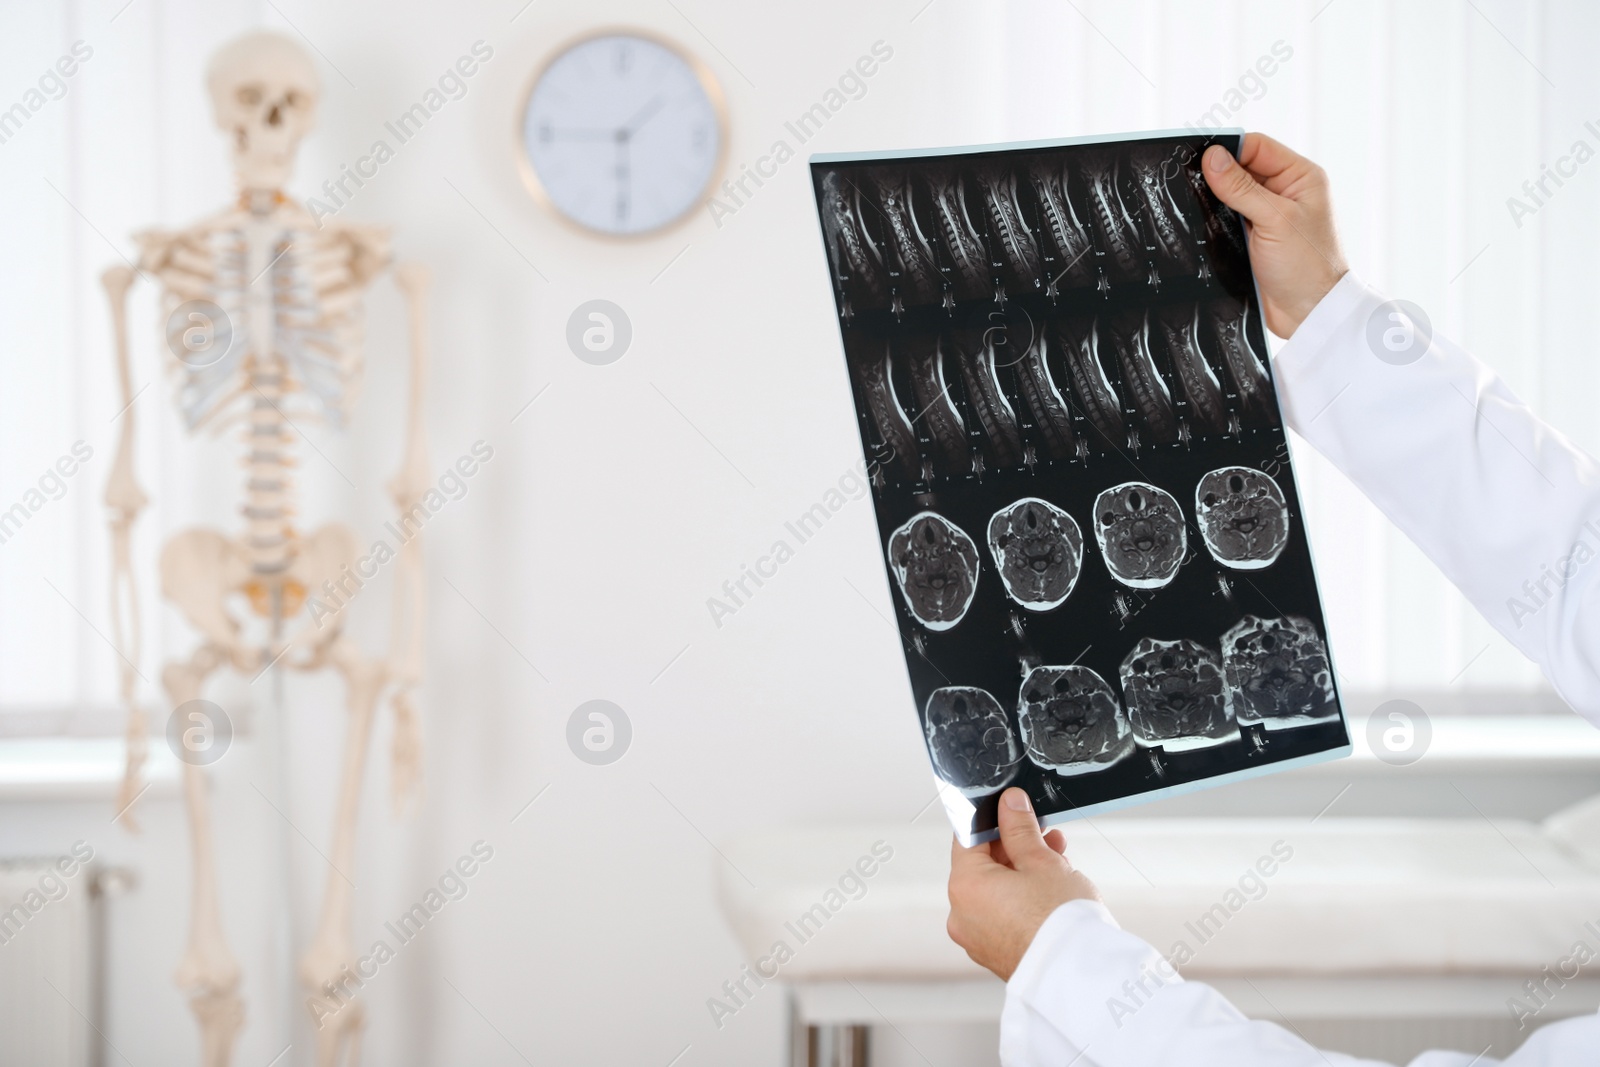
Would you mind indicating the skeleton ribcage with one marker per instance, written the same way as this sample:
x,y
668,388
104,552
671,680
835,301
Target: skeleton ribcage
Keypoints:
x,y
285,346
314,361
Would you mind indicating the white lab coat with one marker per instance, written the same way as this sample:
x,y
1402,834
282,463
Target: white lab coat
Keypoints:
x,y
1510,511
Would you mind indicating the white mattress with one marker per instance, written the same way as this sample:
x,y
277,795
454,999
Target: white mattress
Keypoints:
x,y
1355,896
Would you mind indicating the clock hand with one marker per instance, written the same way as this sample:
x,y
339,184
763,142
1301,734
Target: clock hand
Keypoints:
x,y
624,179
548,134
642,116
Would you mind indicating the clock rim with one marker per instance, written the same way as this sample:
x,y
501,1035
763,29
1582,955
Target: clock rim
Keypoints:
x,y
708,84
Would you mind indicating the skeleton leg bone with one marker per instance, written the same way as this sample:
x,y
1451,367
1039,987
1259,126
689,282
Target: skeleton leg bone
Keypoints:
x,y
208,971
327,969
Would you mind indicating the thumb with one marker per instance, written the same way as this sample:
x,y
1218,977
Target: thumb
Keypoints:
x,y
1019,830
1234,185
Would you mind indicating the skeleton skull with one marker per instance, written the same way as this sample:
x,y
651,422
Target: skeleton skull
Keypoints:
x,y
1038,549
1243,517
1071,721
1278,673
1140,532
970,741
1175,697
264,92
935,564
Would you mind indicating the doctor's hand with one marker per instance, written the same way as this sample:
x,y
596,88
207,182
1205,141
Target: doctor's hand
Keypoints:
x,y
1294,246
1002,891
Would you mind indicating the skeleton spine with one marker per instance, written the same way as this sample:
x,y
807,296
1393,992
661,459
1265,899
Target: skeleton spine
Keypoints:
x,y
268,508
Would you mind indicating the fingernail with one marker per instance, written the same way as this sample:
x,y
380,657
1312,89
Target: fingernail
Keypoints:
x,y
1217,158
1017,800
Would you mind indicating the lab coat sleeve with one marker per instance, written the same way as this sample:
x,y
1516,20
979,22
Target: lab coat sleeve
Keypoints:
x,y
1507,507
1089,994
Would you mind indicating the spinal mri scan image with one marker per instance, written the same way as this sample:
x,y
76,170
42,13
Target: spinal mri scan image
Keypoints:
x,y
1071,721
1243,517
970,740
935,564
1278,673
1038,551
1167,209
1140,532
1178,326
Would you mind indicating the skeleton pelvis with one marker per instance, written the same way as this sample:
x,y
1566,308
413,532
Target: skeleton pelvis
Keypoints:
x,y
201,568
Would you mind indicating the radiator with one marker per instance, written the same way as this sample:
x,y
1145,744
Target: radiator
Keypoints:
x,y
48,988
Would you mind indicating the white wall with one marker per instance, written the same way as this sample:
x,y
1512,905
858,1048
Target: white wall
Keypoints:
x,y
607,517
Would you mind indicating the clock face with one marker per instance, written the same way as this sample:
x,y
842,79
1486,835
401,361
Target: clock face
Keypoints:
x,y
622,134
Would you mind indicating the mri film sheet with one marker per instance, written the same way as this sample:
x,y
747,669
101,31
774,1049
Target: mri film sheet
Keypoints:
x,y
1088,518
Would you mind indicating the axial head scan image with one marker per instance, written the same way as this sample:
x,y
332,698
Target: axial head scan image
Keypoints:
x,y
1140,532
970,741
935,564
1278,674
1175,695
1243,517
1071,721
1038,550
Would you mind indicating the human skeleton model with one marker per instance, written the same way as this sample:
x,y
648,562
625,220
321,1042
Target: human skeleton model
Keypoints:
x,y
287,346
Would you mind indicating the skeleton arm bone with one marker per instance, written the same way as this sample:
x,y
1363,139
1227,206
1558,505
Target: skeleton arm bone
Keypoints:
x,y
125,499
407,489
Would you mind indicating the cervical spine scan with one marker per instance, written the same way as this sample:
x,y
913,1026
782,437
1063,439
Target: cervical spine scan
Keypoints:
x,y
1278,673
1175,695
935,564
1243,517
1071,721
971,744
1038,550
1140,532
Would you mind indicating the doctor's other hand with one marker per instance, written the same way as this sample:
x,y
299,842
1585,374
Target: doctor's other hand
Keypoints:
x,y
1294,246
1002,891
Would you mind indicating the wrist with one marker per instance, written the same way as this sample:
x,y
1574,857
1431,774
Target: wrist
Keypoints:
x,y
1063,926
1290,315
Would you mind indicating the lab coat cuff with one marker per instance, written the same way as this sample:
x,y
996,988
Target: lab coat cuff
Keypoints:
x,y
1056,936
1030,997
1314,366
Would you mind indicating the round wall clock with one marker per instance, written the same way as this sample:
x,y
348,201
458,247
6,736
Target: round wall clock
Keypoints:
x,y
622,133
